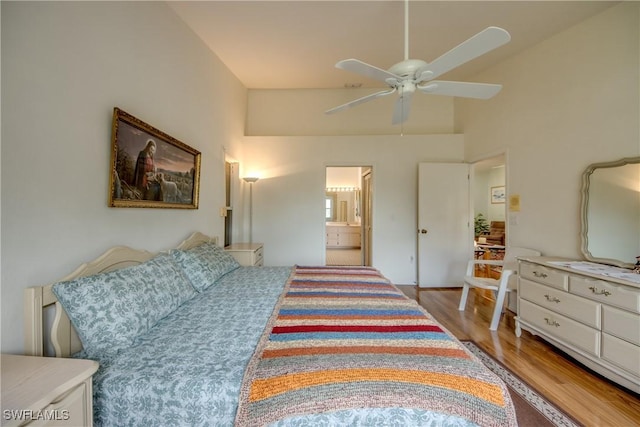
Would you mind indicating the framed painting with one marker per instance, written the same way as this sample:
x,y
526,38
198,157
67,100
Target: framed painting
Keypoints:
x,y
498,194
150,169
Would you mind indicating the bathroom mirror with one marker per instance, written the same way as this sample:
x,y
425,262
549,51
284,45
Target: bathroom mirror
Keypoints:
x,y
342,206
611,212
330,206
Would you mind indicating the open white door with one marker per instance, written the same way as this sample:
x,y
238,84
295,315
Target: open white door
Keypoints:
x,y
445,235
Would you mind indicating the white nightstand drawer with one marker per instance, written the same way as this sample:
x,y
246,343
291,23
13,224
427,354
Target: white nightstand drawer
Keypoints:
x,y
258,256
247,254
69,410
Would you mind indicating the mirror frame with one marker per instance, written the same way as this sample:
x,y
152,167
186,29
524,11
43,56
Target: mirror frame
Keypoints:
x,y
584,226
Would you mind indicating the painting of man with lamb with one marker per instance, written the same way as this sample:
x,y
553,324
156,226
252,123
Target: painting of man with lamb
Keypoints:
x,y
150,168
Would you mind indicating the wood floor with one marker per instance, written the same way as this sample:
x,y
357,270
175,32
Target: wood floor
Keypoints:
x,y
584,395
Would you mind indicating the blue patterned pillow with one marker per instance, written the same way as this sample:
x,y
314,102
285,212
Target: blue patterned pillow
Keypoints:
x,y
204,264
110,310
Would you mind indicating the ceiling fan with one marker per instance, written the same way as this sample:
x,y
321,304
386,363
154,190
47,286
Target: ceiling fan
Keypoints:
x,y
414,74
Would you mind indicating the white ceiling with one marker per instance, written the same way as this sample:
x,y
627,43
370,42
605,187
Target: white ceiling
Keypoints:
x,y
273,44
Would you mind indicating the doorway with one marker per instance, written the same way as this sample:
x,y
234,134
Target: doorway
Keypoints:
x,y
348,215
488,196
489,212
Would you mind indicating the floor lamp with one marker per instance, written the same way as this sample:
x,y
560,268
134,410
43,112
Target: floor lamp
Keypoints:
x,y
250,180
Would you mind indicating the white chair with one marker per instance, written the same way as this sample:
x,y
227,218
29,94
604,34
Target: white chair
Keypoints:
x,y
500,286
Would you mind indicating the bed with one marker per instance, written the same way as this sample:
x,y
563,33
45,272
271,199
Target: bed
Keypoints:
x,y
189,337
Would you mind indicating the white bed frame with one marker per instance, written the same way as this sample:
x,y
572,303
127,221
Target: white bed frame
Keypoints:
x,y
39,299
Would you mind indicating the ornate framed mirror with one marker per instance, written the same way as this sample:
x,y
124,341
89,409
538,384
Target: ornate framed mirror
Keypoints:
x,y
610,229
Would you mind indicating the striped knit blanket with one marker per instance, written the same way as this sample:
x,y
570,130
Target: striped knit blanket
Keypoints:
x,y
345,338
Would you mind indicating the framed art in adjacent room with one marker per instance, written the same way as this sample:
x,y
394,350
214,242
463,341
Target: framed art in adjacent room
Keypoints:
x,y
498,194
150,169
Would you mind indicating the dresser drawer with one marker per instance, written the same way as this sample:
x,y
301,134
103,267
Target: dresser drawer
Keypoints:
x,y
621,324
621,353
575,307
560,327
606,292
541,274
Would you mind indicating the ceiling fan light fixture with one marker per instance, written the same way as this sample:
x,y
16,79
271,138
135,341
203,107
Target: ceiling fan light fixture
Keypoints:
x,y
408,68
408,87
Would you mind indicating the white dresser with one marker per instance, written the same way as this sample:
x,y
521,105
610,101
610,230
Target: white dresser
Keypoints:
x,y
247,254
47,391
593,317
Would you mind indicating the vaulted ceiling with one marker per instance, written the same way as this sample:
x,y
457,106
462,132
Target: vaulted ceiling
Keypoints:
x,y
273,44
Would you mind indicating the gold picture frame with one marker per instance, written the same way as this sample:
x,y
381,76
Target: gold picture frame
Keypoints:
x,y
150,169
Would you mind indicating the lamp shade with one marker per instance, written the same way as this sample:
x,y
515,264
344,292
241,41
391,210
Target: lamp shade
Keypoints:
x,y
250,179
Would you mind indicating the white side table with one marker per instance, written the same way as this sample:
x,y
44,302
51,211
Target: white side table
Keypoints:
x,y
46,391
247,254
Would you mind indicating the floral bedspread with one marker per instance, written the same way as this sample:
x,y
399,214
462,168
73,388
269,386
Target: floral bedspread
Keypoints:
x,y
187,370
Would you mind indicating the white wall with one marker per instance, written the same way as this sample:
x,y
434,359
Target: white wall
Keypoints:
x,y
569,101
65,65
301,112
288,201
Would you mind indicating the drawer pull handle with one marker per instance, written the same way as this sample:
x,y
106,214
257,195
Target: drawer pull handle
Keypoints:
x,y
597,292
551,322
551,299
543,275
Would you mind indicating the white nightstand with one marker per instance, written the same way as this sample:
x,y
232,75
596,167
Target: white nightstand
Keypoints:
x,y
247,254
46,391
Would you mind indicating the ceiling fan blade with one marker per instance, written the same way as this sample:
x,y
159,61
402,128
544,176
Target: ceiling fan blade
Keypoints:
x,y
483,42
359,67
402,108
360,101
461,89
